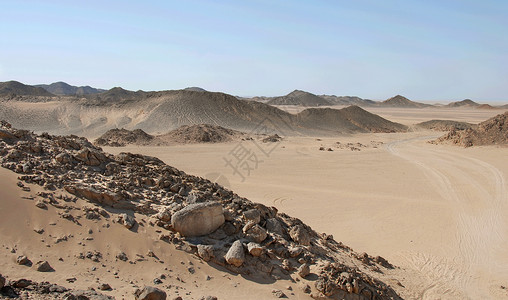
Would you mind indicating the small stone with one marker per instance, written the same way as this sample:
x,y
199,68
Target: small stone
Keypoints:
x,y
255,233
205,252
105,287
255,249
40,204
22,260
235,255
306,289
304,270
122,256
43,266
252,215
150,293
279,294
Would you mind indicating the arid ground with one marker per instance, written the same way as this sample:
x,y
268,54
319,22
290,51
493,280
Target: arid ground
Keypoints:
x,y
438,211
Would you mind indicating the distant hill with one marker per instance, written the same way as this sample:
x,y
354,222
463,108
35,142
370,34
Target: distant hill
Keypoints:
x,y
116,94
464,103
64,89
401,101
195,89
160,112
301,98
18,88
486,106
445,125
348,100
494,131
346,120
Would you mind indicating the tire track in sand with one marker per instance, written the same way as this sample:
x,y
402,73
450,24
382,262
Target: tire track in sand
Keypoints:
x,y
461,181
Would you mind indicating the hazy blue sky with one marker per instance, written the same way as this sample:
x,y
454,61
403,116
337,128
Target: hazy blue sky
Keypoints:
x,y
425,50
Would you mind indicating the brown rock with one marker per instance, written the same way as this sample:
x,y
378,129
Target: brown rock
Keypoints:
x,y
43,266
150,293
198,219
255,249
304,270
236,254
300,235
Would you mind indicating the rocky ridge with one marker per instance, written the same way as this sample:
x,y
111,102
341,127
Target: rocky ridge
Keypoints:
x,y
194,214
493,131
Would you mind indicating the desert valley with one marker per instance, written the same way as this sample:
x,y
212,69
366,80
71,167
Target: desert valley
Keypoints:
x,y
191,194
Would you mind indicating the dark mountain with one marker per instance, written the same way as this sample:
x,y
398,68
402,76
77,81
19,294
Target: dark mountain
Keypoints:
x,y
348,100
301,98
464,103
18,88
346,120
401,101
64,89
195,89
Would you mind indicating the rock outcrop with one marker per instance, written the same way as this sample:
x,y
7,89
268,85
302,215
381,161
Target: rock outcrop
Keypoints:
x,y
493,131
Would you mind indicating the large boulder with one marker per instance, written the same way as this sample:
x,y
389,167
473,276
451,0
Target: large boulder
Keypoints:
x,y
2,281
198,219
236,254
150,293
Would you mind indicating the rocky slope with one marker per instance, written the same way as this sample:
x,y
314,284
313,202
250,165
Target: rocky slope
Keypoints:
x,y
121,137
493,131
445,125
194,214
200,133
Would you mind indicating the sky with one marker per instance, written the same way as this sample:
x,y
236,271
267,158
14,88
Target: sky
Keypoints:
x,y
424,50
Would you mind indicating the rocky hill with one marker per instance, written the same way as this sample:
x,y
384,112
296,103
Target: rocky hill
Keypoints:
x,y
403,102
300,98
200,133
494,131
445,125
17,88
122,137
347,120
190,213
463,103
187,134
65,89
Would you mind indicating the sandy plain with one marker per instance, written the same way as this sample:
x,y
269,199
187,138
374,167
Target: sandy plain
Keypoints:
x,y
439,212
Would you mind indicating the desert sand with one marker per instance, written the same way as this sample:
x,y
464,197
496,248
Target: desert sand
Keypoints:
x,y
437,211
